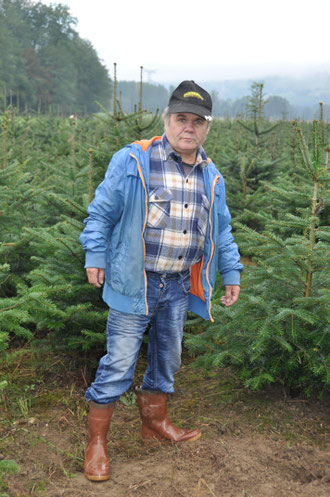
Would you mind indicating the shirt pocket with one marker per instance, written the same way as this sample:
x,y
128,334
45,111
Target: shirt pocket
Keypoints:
x,y
159,208
203,215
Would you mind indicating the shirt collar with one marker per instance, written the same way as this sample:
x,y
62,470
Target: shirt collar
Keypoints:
x,y
167,151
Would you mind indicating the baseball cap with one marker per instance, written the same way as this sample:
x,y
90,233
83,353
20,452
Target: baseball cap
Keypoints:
x,y
190,97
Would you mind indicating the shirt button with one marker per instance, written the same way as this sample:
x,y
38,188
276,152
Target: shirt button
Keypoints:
x,y
161,285
186,206
184,232
180,257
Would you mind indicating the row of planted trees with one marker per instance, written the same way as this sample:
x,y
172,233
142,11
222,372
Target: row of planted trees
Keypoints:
x,y
276,178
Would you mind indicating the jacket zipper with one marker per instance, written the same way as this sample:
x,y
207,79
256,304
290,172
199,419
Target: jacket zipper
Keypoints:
x,y
216,180
143,229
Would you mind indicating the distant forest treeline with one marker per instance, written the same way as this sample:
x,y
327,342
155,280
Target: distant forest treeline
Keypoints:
x,y
157,96
46,67
44,63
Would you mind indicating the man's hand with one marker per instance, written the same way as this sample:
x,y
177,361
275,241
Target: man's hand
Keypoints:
x,y
231,296
95,276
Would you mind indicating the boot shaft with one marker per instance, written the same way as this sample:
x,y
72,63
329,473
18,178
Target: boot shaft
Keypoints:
x,y
152,406
99,420
155,422
96,464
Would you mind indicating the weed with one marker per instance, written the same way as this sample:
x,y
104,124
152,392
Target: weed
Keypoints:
x,y
24,405
30,388
129,399
3,385
7,466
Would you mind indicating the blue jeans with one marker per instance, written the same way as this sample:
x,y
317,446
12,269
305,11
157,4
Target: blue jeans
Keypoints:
x,y
167,297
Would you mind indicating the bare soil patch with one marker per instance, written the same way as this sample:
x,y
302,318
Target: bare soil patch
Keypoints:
x,y
253,445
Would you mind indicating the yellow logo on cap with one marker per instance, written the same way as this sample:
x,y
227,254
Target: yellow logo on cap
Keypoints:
x,y
193,94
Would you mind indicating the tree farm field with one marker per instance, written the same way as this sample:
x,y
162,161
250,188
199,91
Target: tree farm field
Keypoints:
x,y
255,381
254,444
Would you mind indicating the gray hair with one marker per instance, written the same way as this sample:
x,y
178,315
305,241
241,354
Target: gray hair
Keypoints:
x,y
166,115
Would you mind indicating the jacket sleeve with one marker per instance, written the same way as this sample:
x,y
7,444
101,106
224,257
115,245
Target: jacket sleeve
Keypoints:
x,y
228,256
103,213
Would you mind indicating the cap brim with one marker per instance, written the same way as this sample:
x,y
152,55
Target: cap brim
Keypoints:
x,y
191,108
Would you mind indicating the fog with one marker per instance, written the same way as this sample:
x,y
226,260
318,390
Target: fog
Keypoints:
x,y
206,40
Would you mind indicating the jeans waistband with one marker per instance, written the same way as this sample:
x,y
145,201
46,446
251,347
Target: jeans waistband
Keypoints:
x,y
173,276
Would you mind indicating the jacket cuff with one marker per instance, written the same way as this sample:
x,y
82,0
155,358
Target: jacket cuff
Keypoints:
x,y
95,259
231,278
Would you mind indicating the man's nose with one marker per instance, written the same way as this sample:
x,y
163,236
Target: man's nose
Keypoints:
x,y
189,127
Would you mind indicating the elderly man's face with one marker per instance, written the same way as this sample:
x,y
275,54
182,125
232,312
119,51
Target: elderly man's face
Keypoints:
x,y
186,133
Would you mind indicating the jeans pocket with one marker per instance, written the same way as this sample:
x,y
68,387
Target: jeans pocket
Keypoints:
x,y
185,283
159,208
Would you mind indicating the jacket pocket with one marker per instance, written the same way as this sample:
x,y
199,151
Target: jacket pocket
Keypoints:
x,y
203,215
159,208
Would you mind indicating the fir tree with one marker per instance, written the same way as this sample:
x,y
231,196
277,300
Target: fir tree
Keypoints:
x,y
70,310
279,331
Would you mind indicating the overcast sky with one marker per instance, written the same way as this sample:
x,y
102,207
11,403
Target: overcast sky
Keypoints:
x,y
204,39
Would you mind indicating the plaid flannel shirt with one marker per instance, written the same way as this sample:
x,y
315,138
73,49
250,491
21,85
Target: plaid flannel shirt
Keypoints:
x,y
178,211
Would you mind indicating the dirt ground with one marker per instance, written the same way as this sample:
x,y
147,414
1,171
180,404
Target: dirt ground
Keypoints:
x,y
253,445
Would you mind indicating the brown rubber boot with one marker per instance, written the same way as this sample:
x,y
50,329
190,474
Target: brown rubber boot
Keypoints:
x,y
155,422
97,465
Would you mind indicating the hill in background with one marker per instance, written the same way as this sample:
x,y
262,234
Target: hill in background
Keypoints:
x,y
287,97
304,91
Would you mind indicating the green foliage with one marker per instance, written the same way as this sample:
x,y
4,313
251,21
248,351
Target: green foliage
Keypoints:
x,y
247,157
7,466
129,399
278,196
45,64
44,198
279,331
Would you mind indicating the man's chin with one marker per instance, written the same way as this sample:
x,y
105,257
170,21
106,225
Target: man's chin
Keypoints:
x,y
188,146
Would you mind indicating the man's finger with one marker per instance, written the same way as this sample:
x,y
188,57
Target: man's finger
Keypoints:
x,y
231,295
95,276
101,276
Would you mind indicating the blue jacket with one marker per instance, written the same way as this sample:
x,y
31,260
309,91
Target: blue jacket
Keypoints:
x,y
113,237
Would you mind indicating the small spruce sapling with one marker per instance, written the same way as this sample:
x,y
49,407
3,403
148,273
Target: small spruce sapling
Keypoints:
x,y
279,331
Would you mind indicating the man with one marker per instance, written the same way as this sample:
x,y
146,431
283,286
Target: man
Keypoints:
x,y
158,230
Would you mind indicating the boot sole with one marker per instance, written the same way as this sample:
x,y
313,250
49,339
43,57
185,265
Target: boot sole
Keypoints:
x,y
97,478
156,441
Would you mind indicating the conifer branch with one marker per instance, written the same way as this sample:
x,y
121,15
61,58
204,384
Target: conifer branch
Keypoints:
x,y
10,307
